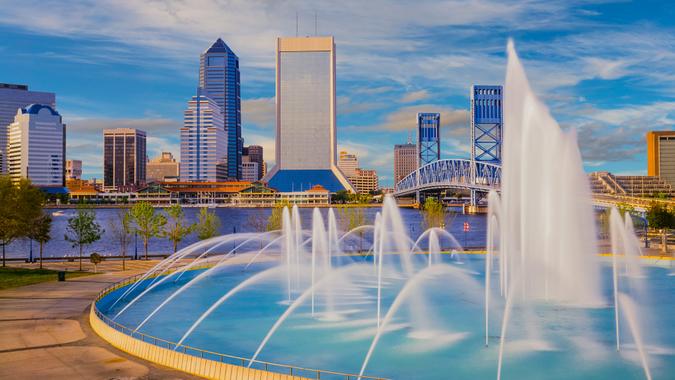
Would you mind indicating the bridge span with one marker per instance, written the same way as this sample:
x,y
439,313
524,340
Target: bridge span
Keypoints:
x,y
461,174
480,177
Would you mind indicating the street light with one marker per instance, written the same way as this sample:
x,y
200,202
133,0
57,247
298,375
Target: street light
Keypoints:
x,y
645,222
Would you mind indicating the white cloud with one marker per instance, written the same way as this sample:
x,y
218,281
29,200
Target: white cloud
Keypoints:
x,y
78,125
405,118
266,142
415,96
259,111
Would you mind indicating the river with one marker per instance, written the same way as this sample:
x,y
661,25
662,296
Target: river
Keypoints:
x,y
232,219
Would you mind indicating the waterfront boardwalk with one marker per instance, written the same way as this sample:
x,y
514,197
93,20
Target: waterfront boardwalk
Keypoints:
x,y
45,333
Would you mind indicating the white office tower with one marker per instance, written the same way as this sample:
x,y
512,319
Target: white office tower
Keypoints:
x,y
203,142
13,97
36,146
306,146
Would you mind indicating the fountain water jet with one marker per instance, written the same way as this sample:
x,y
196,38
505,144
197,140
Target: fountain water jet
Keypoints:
x,y
303,297
251,280
534,212
402,296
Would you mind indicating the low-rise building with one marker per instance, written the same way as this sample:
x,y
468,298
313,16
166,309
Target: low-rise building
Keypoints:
x,y
73,169
191,193
80,190
162,168
364,181
259,195
629,185
249,170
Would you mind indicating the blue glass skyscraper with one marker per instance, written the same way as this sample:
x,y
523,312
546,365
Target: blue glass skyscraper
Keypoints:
x,y
219,80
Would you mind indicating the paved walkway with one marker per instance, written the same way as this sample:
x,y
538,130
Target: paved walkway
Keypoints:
x,y
45,333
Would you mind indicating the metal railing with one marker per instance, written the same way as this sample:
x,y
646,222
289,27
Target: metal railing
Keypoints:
x,y
216,356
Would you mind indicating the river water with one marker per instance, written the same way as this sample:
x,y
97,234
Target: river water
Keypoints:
x,y
232,220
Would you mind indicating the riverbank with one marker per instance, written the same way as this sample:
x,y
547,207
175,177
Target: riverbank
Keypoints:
x,y
225,206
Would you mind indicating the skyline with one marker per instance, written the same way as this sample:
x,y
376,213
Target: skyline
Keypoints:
x,y
144,60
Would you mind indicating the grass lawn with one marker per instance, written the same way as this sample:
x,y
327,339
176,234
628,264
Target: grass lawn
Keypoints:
x,y
13,277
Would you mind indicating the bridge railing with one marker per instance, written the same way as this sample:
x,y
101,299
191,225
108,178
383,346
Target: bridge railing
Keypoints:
x,y
453,173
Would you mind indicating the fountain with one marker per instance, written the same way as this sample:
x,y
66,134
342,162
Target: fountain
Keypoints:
x,y
540,303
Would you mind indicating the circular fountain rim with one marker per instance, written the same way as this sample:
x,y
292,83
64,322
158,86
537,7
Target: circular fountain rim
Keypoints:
x,y
136,344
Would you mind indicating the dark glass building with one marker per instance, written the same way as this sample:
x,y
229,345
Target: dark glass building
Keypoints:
x,y
219,81
124,159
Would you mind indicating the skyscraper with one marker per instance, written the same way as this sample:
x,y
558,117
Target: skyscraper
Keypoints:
x,y
219,80
306,148
124,159
486,124
12,98
428,138
405,160
203,142
661,155
348,163
36,146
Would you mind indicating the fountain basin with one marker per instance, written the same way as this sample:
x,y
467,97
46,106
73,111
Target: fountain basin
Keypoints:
x,y
572,340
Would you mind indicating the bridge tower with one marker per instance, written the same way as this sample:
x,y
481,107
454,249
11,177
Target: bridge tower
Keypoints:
x,y
428,138
486,128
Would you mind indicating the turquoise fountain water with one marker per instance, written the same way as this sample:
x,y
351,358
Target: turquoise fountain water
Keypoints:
x,y
540,304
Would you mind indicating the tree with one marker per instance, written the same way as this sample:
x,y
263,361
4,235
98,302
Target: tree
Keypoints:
x,y
41,231
20,206
624,208
9,224
660,217
95,259
177,228
257,222
433,213
146,222
208,224
83,229
341,197
275,220
121,231
351,218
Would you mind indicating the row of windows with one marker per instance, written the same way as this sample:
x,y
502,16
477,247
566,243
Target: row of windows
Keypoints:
x,y
488,91
488,109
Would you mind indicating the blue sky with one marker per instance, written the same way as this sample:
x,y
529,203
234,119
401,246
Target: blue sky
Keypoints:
x,y
605,68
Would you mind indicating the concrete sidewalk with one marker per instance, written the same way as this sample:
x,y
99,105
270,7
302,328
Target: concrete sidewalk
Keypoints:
x,y
45,333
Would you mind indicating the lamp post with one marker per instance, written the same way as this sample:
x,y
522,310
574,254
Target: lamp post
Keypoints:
x,y
645,223
135,245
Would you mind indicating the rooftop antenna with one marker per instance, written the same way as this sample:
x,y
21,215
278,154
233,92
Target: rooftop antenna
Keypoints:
x,y
296,23
409,137
316,24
